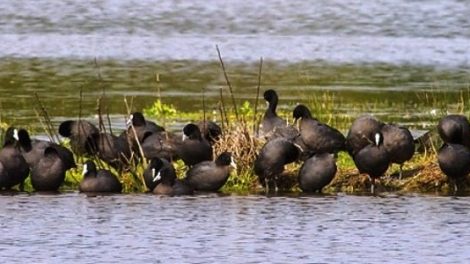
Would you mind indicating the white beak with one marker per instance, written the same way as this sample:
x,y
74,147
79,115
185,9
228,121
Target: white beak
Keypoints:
x,y
377,139
184,137
233,164
15,134
85,170
156,177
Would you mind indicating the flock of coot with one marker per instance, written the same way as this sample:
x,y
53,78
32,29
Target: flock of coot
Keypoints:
x,y
372,145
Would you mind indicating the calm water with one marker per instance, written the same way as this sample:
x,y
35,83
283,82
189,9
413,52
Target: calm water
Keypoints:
x,y
234,229
379,57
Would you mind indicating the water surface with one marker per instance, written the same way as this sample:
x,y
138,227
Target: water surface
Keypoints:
x,y
234,229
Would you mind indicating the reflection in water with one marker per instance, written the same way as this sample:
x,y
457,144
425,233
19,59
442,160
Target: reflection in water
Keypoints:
x,y
234,229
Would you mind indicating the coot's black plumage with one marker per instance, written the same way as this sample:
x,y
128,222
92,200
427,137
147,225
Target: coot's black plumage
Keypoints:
x,y
317,172
112,149
193,148
158,170
141,126
160,145
34,149
455,129
270,162
373,159
78,132
316,136
49,172
98,181
454,161
271,120
13,167
210,176
399,144
210,130
362,133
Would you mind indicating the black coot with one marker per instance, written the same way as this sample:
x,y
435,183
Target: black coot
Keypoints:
x,y
317,172
316,136
362,133
98,181
78,132
271,121
157,170
114,150
373,159
34,149
210,130
160,145
269,163
141,126
454,161
13,167
49,172
193,148
210,176
399,144
454,129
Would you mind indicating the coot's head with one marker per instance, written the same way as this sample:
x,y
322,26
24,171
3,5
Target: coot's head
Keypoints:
x,y
301,111
136,119
191,131
89,169
270,95
156,165
225,159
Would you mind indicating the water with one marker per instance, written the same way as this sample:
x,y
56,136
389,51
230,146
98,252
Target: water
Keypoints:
x,y
234,229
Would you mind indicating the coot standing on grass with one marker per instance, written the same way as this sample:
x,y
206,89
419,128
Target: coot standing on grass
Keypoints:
x,y
49,172
316,136
317,172
98,181
454,161
271,120
361,133
270,162
373,159
78,132
13,167
210,176
399,144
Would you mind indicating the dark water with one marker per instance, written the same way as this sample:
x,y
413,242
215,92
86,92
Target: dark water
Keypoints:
x,y
400,60
234,229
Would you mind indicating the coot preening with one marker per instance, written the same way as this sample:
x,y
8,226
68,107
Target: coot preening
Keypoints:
x,y
78,132
269,163
373,159
34,149
210,176
98,181
114,150
362,133
49,172
157,170
399,144
271,120
317,172
13,167
316,136
454,129
454,161
160,145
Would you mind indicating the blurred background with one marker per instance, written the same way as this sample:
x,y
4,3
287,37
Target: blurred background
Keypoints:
x,y
404,61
